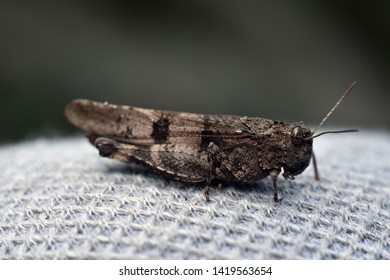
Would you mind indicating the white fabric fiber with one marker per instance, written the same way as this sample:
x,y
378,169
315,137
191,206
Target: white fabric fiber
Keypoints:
x,y
60,200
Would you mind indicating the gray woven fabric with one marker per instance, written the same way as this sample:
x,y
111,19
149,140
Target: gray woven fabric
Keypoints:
x,y
60,200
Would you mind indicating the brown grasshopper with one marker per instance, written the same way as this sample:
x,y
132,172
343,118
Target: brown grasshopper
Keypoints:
x,y
199,148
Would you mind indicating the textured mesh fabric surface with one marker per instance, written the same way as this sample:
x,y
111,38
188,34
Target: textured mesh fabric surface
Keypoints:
x,y
60,200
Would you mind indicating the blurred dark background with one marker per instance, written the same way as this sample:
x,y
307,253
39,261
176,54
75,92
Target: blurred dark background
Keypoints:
x,y
283,60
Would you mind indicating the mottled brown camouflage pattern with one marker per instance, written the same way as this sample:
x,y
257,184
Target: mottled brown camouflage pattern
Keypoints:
x,y
193,147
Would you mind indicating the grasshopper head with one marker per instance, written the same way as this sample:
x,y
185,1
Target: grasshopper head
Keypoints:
x,y
299,144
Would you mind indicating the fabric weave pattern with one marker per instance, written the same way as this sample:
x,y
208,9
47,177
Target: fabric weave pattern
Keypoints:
x,y
60,200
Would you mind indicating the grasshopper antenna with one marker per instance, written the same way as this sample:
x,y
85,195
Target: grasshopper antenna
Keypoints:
x,y
331,112
316,173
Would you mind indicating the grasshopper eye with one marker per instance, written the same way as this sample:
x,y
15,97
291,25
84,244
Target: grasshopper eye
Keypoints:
x,y
297,131
297,135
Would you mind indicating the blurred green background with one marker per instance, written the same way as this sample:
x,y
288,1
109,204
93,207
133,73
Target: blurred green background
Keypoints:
x,y
283,60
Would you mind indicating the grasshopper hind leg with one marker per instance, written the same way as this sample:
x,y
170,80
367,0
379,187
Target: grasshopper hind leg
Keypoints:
x,y
216,159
